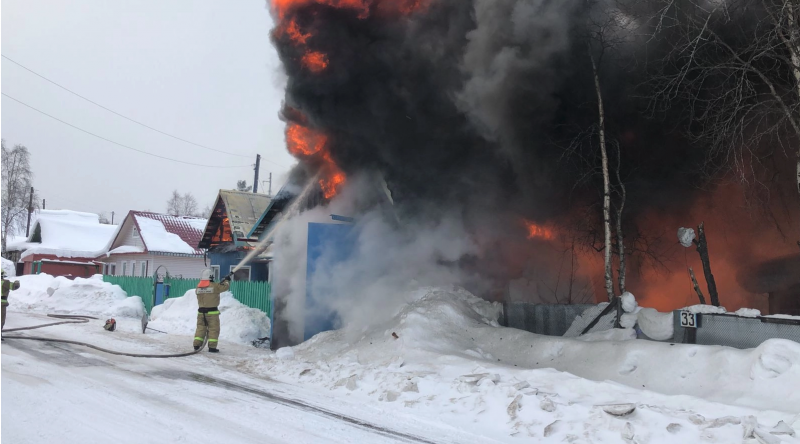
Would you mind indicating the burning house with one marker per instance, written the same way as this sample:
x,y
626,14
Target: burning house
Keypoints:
x,y
480,118
226,238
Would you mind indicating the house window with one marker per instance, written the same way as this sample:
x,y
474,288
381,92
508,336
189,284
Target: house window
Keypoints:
x,y
124,268
135,232
133,268
215,268
111,269
144,268
243,274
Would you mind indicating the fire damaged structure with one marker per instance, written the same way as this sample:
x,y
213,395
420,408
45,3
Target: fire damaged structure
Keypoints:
x,y
780,279
226,236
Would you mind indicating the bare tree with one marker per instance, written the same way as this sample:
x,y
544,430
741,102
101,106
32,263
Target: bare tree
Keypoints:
x,y
175,204
189,205
241,185
735,65
17,179
182,204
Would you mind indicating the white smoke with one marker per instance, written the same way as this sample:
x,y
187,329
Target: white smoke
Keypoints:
x,y
390,257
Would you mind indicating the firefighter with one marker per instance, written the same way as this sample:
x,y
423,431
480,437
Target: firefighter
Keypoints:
x,y
208,309
7,287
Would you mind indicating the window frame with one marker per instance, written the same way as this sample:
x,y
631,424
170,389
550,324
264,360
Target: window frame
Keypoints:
x,y
216,270
249,272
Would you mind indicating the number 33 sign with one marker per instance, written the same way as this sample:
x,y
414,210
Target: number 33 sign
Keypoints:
x,y
688,319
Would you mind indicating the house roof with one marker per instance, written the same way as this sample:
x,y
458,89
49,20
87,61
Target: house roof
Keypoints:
x,y
68,234
168,234
242,210
278,205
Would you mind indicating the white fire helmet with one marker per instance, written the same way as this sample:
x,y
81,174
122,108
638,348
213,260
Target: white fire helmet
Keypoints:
x,y
207,275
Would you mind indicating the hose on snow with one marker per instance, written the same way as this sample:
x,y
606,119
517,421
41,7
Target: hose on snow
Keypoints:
x,y
77,319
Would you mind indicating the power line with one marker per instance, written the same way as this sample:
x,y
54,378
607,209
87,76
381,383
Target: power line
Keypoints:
x,y
120,115
117,143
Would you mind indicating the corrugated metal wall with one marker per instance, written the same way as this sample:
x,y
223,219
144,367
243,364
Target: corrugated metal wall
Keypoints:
x,y
736,331
543,319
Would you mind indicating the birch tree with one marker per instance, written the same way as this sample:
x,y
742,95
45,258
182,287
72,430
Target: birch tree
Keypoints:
x,y
17,179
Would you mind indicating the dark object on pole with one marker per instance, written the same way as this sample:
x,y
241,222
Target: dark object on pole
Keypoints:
x,y
702,248
697,287
255,180
611,306
30,210
44,202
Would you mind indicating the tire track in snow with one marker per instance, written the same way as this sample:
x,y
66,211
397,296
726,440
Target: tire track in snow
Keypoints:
x,y
294,403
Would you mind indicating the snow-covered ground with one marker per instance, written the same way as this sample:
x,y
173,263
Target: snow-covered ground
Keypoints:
x,y
441,370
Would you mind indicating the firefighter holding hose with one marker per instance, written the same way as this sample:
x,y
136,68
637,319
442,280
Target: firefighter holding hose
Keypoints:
x,y
208,293
7,287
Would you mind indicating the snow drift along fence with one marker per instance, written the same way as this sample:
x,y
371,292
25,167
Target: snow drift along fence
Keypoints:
x,y
135,286
251,294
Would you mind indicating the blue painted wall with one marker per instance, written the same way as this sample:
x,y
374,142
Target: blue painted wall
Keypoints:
x,y
258,271
331,243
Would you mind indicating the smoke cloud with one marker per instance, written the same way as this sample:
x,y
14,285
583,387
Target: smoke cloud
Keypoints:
x,y
466,108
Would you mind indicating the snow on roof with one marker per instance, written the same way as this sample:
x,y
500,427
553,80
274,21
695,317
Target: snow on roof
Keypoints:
x,y
126,249
170,234
68,234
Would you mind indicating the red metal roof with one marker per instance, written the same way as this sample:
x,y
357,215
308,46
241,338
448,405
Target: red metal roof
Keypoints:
x,y
189,229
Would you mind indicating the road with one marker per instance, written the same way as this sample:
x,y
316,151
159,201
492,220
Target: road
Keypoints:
x,y
69,394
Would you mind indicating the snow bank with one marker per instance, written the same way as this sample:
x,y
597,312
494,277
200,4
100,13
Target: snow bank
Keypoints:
x,y
240,323
47,294
9,268
446,323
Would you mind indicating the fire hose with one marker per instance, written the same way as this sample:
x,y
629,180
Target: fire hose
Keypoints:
x,y
78,319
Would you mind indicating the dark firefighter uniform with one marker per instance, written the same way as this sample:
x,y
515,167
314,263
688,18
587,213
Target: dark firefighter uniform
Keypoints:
x,y
7,286
208,312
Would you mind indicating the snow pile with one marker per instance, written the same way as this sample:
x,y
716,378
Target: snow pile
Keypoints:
x,y
240,323
47,294
157,238
447,361
705,309
9,268
584,319
748,312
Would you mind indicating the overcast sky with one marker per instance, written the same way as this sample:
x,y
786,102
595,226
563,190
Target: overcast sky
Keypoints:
x,y
201,70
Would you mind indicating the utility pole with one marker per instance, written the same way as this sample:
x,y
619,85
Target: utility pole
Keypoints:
x,y
255,181
112,218
44,206
270,185
30,210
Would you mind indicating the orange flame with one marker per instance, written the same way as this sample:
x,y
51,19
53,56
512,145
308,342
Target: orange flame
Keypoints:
x,y
308,144
295,34
315,61
538,231
363,7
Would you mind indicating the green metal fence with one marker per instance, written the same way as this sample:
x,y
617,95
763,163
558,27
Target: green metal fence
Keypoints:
x,y
179,287
251,294
135,286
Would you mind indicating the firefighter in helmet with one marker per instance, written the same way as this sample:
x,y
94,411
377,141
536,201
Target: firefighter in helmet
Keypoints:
x,y
208,293
7,286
